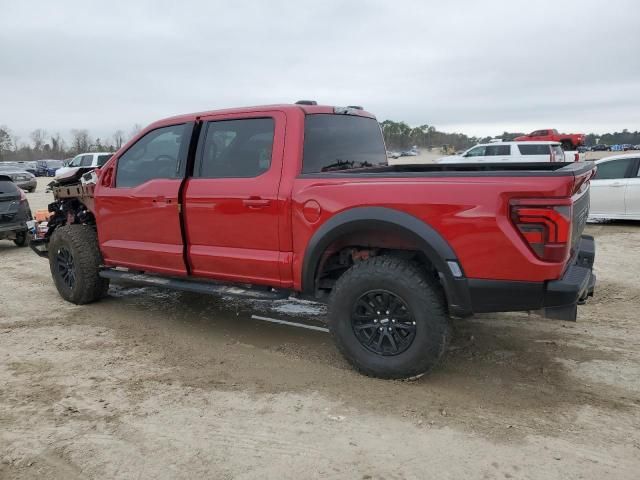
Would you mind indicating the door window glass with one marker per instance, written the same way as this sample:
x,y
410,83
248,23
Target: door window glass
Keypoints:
x,y
237,148
535,149
613,169
476,152
102,159
86,160
156,155
495,150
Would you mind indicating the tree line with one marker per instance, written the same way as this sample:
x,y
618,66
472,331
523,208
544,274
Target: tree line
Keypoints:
x,y
397,135
43,145
401,136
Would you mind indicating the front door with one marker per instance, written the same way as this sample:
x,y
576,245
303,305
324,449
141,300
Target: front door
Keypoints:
x,y
232,210
137,203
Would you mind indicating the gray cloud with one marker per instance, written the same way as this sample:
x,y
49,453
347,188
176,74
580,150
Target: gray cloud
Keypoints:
x,y
479,67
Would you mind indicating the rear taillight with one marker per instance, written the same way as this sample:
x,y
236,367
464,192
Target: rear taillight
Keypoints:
x,y
545,228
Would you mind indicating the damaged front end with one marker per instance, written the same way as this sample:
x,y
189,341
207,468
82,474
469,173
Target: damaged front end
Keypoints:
x,y
73,203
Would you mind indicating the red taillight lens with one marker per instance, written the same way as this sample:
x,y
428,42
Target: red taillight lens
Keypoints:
x,y
546,229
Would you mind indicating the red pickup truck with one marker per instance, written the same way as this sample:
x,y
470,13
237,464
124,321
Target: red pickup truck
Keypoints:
x,y
569,141
300,199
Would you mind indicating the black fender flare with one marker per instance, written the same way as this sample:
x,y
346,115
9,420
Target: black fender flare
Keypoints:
x,y
430,242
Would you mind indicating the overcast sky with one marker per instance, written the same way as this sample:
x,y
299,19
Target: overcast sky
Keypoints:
x,y
480,67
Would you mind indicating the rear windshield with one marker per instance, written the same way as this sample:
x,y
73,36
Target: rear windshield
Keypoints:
x,y
533,149
341,142
54,163
7,186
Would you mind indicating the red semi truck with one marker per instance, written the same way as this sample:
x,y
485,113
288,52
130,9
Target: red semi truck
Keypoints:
x,y
569,141
299,199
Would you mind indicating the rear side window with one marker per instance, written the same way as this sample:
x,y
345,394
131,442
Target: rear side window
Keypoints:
x,y
614,169
341,142
557,149
237,148
156,155
102,159
495,150
533,149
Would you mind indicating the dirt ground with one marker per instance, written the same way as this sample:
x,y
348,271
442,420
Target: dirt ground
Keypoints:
x,y
155,384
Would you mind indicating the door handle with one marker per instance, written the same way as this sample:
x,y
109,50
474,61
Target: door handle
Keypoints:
x,y
256,202
161,201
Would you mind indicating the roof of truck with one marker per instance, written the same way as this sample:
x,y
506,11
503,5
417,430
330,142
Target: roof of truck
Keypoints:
x,y
307,109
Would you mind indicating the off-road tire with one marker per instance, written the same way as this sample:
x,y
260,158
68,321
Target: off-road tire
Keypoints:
x,y
424,299
81,242
21,239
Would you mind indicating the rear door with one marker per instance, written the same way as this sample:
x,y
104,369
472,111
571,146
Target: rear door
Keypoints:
x,y
231,204
632,193
137,203
608,188
497,153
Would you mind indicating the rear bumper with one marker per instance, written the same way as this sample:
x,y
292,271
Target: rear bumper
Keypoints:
x,y
556,299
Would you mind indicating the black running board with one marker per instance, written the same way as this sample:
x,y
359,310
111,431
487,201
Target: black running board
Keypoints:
x,y
196,286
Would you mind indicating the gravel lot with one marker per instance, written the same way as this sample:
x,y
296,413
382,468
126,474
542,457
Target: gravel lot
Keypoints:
x,y
154,384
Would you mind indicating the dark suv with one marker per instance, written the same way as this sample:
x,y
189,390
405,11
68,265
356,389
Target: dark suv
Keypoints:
x,y
14,212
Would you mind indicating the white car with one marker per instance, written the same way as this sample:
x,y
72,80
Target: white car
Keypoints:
x,y
615,189
509,152
94,160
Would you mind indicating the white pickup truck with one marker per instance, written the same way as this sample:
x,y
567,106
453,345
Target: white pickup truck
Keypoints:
x,y
495,152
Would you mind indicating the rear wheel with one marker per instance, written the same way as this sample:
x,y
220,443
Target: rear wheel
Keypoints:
x,y
21,239
74,260
388,318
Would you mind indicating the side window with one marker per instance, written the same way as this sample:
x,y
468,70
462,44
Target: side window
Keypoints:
x,y
156,155
102,159
495,150
476,152
535,149
614,169
86,160
236,148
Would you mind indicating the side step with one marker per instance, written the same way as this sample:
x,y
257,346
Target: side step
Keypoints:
x,y
196,286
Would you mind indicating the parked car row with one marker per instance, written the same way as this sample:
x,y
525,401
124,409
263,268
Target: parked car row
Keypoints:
x,y
537,151
22,178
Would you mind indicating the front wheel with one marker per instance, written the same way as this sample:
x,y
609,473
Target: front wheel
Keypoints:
x,y
74,260
388,318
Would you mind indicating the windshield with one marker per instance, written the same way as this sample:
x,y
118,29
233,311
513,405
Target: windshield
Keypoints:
x,y
341,142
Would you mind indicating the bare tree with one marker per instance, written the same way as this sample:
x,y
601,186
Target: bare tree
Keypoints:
x,y
118,138
38,137
135,130
6,142
58,145
80,140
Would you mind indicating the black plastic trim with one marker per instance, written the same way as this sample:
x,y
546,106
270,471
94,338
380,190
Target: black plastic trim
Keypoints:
x,y
537,169
432,244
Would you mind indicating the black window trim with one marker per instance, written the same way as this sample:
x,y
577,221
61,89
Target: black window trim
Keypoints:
x,y
181,166
202,139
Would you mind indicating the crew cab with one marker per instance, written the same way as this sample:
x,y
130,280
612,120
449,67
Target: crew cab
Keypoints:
x,y
569,141
93,159
298,199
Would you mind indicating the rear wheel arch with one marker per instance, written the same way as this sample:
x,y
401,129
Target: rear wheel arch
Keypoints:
x,y
418,235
